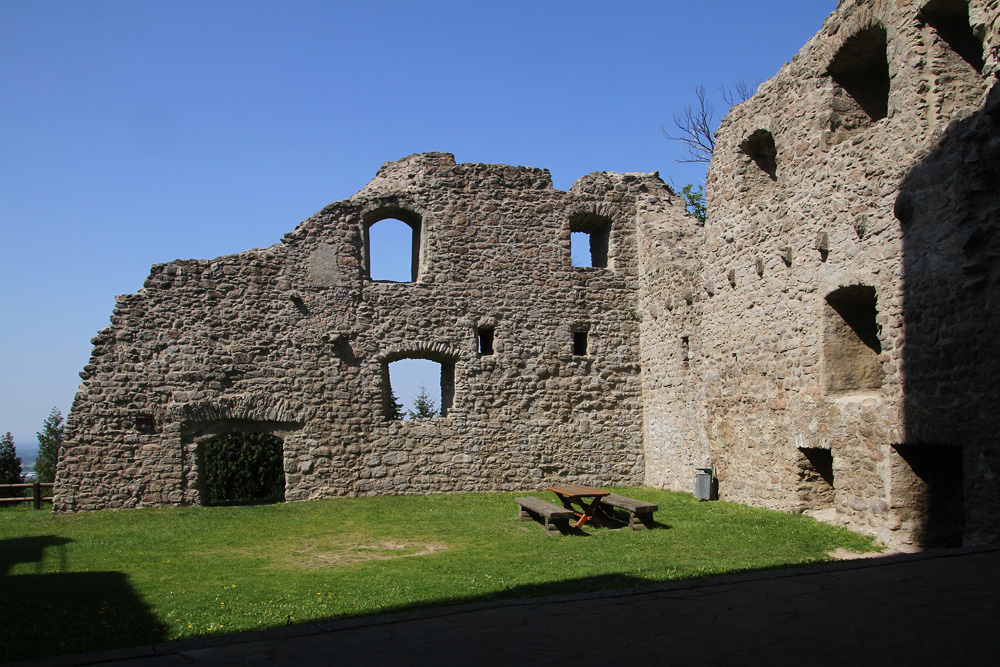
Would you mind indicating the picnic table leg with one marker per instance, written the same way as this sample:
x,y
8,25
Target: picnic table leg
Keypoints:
x,y
592,509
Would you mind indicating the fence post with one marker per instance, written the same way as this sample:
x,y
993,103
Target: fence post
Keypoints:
x,y
37,488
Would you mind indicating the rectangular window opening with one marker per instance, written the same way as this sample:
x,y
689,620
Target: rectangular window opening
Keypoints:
x,y
580,343
414,378
485,336
590,237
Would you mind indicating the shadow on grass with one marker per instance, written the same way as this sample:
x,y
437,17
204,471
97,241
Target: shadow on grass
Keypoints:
x,y
58,613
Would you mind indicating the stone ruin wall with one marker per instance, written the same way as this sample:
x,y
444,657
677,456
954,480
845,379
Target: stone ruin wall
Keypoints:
x,y
294,340
670,262
802,196
826,342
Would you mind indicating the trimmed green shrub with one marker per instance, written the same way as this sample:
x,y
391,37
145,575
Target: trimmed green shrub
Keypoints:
x,y
243,467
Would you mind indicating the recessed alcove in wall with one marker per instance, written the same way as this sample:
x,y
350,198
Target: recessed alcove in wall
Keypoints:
x,y
927,490
851,346
950,19
590,237
816,475
435,374
861,68
760,148
392,245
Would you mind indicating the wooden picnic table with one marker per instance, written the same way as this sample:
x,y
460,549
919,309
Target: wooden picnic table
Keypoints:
x,y
574,498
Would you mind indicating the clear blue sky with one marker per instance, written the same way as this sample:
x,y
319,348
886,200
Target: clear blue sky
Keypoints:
x,y
139,132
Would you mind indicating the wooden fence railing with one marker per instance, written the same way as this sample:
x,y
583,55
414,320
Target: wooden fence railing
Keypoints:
x,y
35,497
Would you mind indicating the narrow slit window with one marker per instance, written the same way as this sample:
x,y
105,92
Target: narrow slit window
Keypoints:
x,y
485,336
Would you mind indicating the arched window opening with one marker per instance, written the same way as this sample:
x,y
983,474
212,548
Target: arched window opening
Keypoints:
x,y
590,237
759,146
861,68
392,245
950,19
242,468
417,388
851,346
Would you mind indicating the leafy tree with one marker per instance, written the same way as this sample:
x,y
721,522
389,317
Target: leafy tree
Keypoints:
x,y
395,411
424,405
49,441
10,465
242,467
694,201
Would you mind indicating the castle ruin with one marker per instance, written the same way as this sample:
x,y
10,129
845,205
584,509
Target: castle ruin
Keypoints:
x,y
827,341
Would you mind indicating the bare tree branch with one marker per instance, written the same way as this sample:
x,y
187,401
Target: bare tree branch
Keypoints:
x,y
695,126
739,93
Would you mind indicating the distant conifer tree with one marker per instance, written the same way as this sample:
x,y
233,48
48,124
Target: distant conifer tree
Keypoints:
x,y
10,465
49,442
395,407
424,405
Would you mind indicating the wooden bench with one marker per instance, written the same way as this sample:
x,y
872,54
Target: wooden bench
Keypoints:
x,y
640,513
556,519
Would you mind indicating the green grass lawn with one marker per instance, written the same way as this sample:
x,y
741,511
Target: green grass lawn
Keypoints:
x,y
86,582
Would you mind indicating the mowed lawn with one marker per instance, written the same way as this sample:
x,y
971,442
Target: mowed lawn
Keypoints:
x,y
86,582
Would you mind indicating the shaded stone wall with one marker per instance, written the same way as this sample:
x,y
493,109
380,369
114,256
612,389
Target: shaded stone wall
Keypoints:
x,y
294,340
812,314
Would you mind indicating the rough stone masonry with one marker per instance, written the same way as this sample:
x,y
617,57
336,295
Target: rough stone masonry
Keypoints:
x,y
828,341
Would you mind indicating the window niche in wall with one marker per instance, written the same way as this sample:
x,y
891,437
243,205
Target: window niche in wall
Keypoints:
x,y
927,491
409,371
484,341
851,346
950,20
760,148
590,237
816,472
392,245
861,70
580,342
